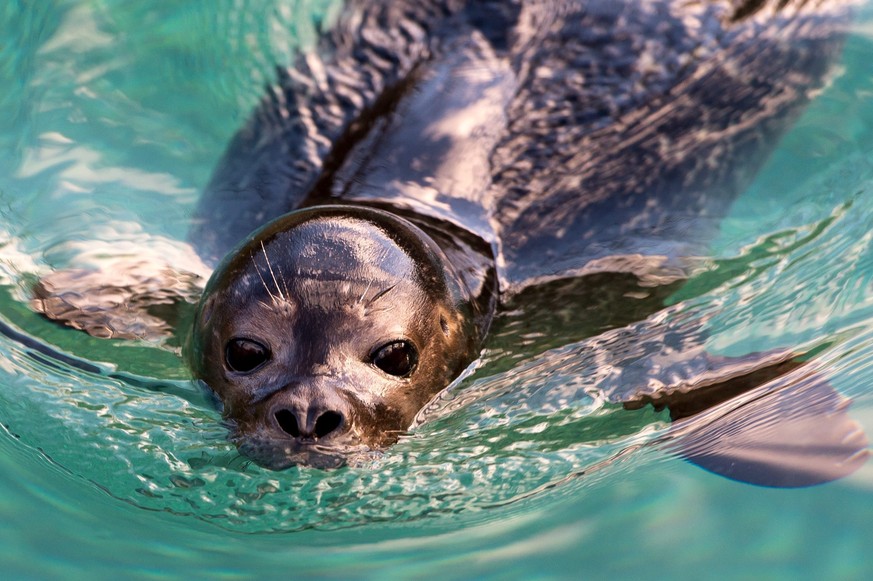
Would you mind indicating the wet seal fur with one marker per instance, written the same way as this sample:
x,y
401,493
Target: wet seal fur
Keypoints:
x,y
436,163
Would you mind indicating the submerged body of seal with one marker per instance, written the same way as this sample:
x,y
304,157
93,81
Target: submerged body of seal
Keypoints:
x,y
439,157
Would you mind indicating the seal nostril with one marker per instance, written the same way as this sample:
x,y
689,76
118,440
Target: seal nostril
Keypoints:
x,y
327,423
288,422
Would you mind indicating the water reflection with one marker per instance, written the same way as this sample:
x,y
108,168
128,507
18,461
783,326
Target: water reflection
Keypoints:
x,y
542,409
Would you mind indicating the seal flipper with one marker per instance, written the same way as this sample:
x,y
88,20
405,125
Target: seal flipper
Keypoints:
x,y
140,289
766,421
92,301
788,436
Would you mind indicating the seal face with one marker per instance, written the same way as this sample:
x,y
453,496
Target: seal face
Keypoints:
x,y
327,331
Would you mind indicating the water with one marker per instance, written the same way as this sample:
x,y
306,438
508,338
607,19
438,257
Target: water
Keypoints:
x,y
111,120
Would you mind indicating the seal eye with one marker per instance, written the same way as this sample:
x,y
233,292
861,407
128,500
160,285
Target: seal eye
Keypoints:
x,y
244,355
397,358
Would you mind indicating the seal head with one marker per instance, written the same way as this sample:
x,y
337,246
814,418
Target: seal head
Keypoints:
x,y
327,330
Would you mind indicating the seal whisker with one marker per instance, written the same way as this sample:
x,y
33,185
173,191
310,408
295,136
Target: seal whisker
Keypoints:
x,y
284,284
366,290
273,274
380,309
263,282
380,294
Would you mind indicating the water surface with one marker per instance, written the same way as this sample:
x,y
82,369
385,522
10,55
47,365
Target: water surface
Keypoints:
x,y
111,120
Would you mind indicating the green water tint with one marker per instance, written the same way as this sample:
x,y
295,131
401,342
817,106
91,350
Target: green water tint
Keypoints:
x,y
522,467
497,438
158,444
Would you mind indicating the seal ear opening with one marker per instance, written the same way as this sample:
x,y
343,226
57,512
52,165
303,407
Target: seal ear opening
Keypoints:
x,y
455,323
444,325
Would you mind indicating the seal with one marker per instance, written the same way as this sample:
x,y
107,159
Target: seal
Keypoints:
x,y
431,162
331,328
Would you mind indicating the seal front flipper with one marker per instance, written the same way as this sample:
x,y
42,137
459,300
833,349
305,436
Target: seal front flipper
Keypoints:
x,y
139,289
763,419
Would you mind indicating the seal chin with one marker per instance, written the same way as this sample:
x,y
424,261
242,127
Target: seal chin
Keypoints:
x,y
282,454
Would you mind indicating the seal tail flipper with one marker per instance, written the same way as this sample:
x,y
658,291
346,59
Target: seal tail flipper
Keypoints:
x,y
792,432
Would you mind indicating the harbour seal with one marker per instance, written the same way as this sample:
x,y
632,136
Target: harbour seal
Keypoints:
x,y
432,161
397,324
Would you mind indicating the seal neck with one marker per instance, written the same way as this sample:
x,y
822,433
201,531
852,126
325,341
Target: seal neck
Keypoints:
x,y
470,261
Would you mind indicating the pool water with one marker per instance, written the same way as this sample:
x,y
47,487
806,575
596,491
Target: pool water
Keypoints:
x,y
111,120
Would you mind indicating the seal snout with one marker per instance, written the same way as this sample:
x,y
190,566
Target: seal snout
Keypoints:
x,y
326,423
310,419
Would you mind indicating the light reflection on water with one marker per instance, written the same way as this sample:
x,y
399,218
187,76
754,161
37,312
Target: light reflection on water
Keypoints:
x,y
111,122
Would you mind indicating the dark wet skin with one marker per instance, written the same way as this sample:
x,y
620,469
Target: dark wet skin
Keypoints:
x,y
548,166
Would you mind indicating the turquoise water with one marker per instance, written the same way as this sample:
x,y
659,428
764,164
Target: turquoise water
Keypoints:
x,y
111,121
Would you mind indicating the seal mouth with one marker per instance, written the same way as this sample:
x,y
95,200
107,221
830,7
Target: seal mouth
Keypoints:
x,y
280,454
